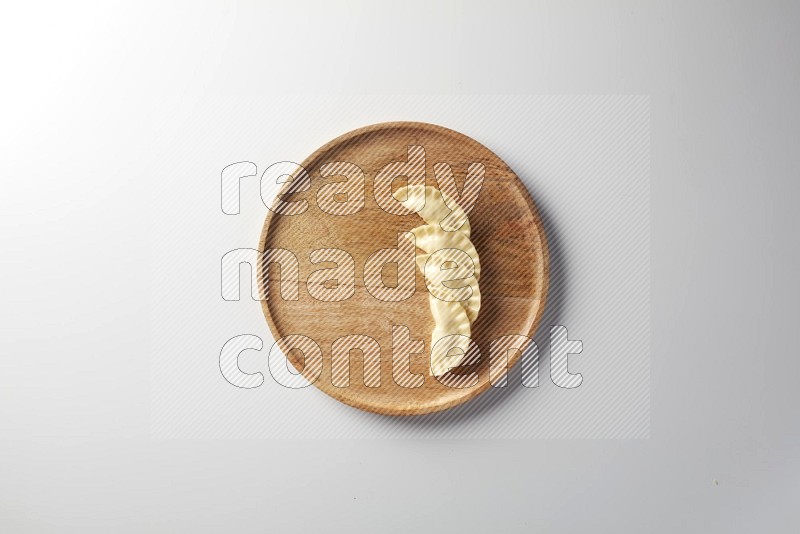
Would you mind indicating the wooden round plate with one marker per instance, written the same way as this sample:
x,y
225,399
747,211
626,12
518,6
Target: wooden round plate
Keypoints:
x,y
506,230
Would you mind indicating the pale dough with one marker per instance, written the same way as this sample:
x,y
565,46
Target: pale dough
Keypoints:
x,y
450,318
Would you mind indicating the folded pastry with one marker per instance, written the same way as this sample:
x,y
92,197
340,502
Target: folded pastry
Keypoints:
x,y
451,267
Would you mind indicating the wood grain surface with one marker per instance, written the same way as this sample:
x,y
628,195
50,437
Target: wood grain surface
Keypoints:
x,y
506,230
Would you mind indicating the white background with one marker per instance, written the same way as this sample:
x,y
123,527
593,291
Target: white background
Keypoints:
x,y
101,107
